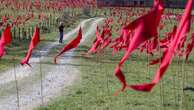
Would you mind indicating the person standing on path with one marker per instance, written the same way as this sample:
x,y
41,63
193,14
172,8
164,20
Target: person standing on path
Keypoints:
x,y
61,31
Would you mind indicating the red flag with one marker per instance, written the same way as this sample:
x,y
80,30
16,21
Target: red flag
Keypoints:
x,y
170,52
106,43
155,61
4,19
5,39
164,43
34,42
96,43
145,28
72,44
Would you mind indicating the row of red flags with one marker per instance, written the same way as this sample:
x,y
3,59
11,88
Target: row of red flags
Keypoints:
x,y
6,39
47,4
142,33
22,19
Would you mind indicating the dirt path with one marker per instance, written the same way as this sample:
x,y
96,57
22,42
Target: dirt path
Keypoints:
x,y
54,77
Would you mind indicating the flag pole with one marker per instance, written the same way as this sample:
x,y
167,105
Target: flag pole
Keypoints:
x,y
16,85
41,76
161,84
183,75
41,81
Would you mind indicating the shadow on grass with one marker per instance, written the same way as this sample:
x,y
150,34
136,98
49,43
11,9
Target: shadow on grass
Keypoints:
x,y
189,89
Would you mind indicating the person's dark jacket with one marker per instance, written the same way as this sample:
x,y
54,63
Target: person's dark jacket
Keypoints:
x,y
61,28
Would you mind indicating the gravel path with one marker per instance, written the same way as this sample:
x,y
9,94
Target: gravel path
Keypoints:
x,y
54,77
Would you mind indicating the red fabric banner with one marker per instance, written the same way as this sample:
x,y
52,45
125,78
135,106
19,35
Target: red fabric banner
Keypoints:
x,y
34,42
168,55
6,38
72,44
144,28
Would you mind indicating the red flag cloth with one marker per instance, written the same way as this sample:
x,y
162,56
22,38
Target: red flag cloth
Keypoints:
x,y
164,43
4,19
5,39
155,61
145,28
72,44
101,41
96,42
107,34
34,42
170,52
106,43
